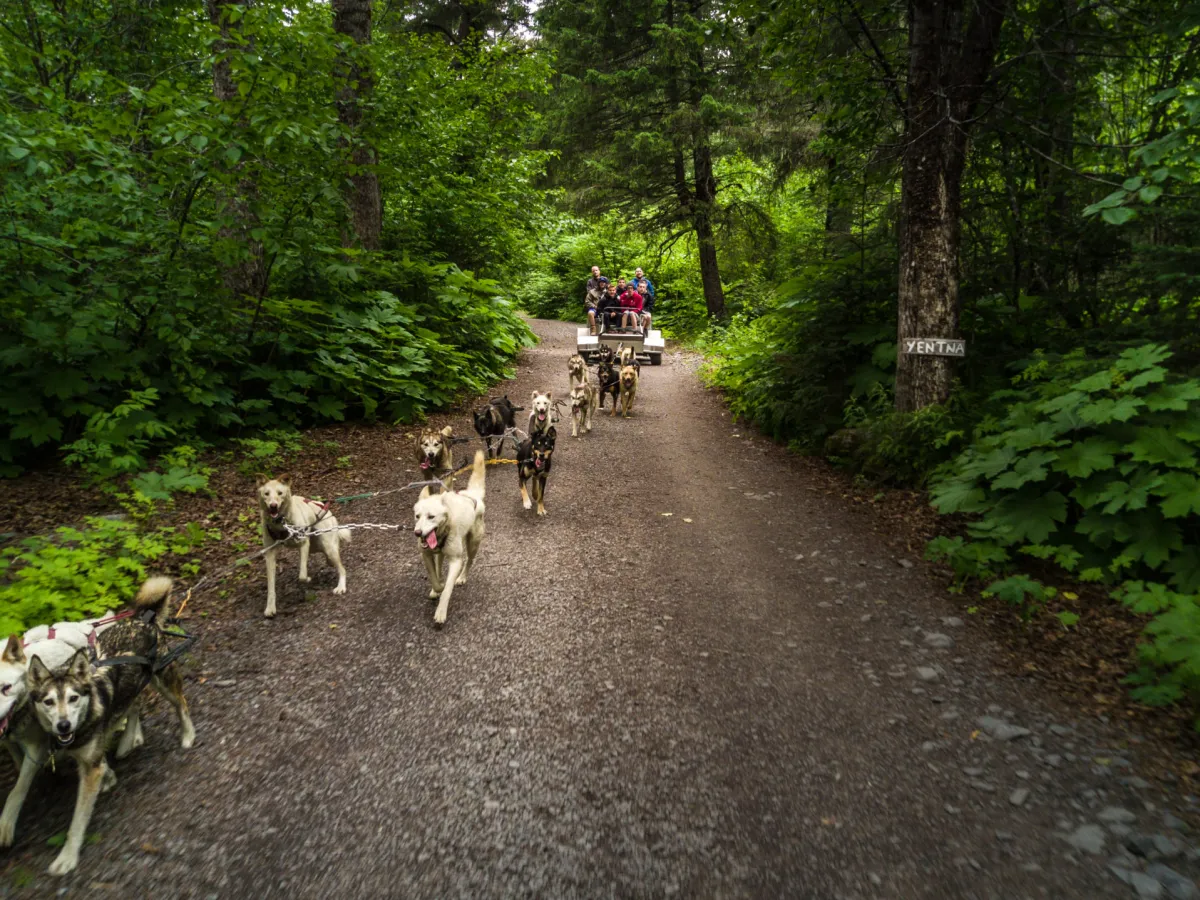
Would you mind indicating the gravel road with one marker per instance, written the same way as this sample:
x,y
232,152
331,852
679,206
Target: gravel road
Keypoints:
x,y
698,676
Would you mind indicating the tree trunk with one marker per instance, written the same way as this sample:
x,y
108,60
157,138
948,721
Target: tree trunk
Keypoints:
x,y
947,72
244,272
363,199
705,196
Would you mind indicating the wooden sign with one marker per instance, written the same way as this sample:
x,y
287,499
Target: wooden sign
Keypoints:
x,y
935,346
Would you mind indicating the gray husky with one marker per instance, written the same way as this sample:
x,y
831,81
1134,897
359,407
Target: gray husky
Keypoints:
x,y
80,709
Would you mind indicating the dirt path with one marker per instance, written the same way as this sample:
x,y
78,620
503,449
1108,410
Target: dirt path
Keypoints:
x,y
742,698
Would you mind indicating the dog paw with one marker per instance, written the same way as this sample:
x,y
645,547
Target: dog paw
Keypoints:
x,y
541,512
269,612
340,589
462,579
439,618
304,579
527,504
64,864
434,594
8,831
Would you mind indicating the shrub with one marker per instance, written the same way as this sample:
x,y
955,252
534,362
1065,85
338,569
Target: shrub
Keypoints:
x,y
1094,468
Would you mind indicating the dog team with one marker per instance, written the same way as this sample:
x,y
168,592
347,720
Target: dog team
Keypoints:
x,y
74,688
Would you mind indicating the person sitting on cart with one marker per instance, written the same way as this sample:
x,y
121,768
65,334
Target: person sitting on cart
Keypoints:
x,y
647,295
609,307
596,286
631,307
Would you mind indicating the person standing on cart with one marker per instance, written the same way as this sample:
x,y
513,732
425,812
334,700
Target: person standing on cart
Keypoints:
x,y
596,287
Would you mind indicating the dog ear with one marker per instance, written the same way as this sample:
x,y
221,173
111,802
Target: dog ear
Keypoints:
x,y
534,397
447,431
38,673
552,433
286,481
81,666
260,479
14,650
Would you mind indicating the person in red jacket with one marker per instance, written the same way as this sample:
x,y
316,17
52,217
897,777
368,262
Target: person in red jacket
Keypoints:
x,y
631,304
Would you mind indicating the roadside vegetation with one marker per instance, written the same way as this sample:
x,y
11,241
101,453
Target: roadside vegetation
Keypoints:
x,y
1026,180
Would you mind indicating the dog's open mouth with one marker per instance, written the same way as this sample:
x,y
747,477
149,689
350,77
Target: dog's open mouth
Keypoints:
x,y
65,740
537,463
541,417
273,510
4,722
425,464
430,540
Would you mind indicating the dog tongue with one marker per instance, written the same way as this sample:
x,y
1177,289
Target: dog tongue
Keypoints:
x,y
541,417
431,540
424,464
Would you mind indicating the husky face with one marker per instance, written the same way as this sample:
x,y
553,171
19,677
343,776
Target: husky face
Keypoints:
x,y
543,448
61,702
432,445
575,365
429,520
541,406
274,496
13,681
578,397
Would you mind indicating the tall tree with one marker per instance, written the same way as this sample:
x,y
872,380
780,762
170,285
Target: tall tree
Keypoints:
x,y
244,268
353,80
952,45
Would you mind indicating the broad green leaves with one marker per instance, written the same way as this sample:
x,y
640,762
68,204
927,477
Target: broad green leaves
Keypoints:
x,y
1122,480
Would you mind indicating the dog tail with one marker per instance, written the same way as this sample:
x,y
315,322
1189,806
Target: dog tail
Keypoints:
x,y
478,482
153,594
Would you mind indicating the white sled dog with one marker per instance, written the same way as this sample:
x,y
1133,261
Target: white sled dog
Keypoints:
x,y
449,527
278,506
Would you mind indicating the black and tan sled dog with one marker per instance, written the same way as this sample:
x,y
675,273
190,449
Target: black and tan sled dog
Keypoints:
x,y
533,465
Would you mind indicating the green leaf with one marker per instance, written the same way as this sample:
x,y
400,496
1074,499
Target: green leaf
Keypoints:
x,y
1137,358
1181,494
1110,409
1150,193
1082,459
1174,397
1029,468
1158,445
1030,518
1118,215
956,496
1155,539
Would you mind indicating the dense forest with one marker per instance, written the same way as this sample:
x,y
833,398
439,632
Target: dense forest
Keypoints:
x,y
231,218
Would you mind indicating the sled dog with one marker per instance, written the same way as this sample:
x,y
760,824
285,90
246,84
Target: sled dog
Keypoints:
x,y
449,528
80,708
279,507
540,416
492,421
576,371
434,454
534,458
584,399
629,386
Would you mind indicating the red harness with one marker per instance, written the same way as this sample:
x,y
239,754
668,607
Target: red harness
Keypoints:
x,y
91,638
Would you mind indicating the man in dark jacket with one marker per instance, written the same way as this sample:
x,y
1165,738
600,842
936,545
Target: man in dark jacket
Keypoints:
x,y
596,286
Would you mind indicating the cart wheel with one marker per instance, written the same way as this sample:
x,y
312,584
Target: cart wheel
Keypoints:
x,y
656,359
